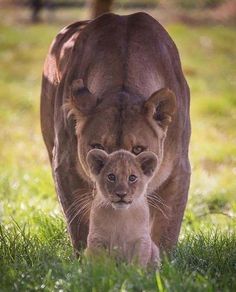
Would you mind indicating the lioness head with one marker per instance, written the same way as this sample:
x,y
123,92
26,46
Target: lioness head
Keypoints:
x,y
119,120
121,177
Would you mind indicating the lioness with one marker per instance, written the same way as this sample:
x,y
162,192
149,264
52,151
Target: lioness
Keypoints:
x,y
121,180
122,81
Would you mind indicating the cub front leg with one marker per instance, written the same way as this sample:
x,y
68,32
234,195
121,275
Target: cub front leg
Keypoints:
x,y
95,245
155,256
142,251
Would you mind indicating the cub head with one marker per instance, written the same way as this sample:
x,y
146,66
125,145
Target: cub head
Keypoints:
x,y
121,177
119,120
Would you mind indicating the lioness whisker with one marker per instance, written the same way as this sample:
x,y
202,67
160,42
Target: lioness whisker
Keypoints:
x,y
77,202
82,195
154,205
157,207
156,195
85,211
77,206
78,191
156,199
80,212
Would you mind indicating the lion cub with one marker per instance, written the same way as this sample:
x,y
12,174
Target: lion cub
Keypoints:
x,y
119,218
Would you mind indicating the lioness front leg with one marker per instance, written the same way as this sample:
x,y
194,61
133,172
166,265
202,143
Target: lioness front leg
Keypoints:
x,y
71,190
166,223
75,213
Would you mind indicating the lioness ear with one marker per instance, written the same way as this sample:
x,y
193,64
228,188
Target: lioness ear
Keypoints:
x,y
96,159
148,162
81,98
161,106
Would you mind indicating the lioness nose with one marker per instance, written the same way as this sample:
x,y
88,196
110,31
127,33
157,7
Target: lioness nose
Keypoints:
x,y
121,194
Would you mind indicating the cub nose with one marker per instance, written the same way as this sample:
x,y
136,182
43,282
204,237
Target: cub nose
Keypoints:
x,y
121,194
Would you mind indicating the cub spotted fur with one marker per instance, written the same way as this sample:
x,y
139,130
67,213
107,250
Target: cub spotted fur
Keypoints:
x,y
119,217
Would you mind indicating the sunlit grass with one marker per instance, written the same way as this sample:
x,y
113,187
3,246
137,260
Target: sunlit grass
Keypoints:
x,y
202,262
35,250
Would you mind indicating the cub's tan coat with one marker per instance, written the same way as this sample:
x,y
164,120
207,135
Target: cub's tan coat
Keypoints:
x,y
119,217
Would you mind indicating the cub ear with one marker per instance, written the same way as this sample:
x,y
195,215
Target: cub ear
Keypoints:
x,y
148,162
96,160
161,106
81,98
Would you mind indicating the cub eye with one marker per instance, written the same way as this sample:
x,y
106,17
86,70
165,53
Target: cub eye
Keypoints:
x,y
111,177
97,146
132,178
137,149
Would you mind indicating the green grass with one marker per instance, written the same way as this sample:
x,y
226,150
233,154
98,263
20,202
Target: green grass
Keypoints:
x,y
44,261
35,252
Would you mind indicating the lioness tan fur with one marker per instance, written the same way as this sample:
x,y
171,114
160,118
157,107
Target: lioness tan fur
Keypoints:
x,y
119,216
116,83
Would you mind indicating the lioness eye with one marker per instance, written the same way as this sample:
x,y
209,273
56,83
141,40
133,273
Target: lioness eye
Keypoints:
x,y
137,149
111,177
97,146
132,178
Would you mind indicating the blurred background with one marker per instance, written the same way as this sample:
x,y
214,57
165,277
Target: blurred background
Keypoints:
x,y
204,32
